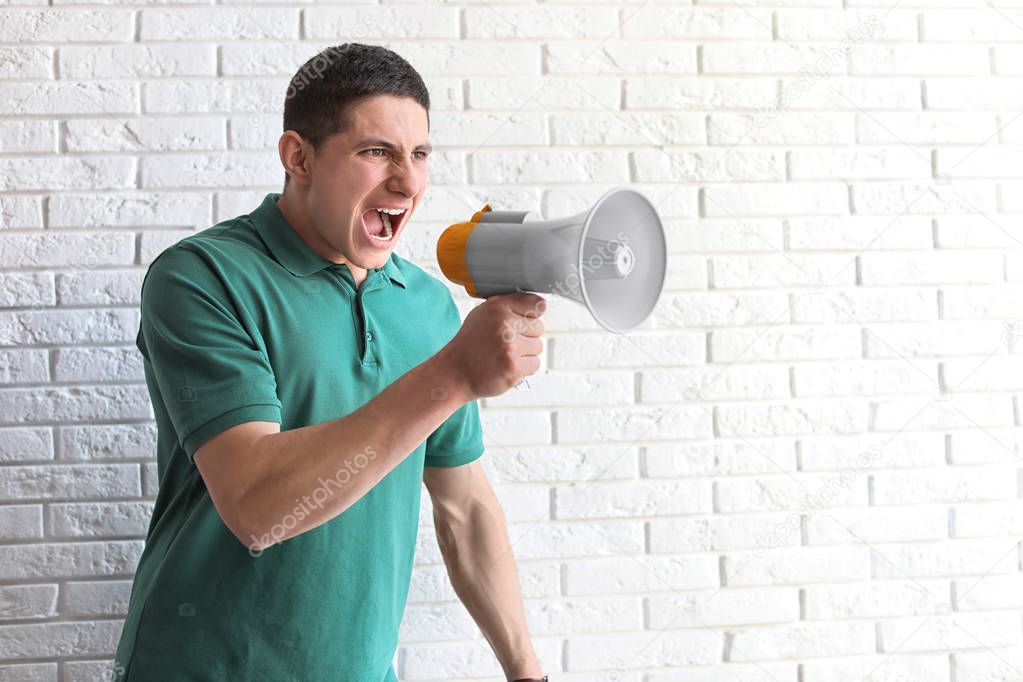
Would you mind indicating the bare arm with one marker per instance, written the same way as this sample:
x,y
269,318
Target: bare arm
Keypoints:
x,y
474,542
255,472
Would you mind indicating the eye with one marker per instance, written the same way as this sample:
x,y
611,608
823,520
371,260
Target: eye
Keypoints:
x,y
424,155
375,149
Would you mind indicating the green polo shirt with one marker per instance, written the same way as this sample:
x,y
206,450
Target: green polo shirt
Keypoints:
x,y
244,322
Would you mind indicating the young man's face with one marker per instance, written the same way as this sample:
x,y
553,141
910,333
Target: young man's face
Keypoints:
x,y
356,172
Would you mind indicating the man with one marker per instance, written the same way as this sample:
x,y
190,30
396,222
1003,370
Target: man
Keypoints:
x,y
305,381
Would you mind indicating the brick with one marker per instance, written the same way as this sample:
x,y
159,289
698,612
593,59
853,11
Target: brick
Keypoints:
x,y
712,165
958,411
906,667
24,366
720,308
670,649
63,98
73,404
145,135
865,305
627,499
27,136
784,343
916,60
26,289
100,287
956,557
97,598
748,456
655,92
137,61
793,418
56,250
99,519
80,638
73,173
68,560
68,327
28,601
826,452
896,377
130,210
793,127
698,23
23,444
852,526
715,533
629,425
888,163
770,199
856,26
70,481
21,522
713,383
21,212
639,350
641,574
563,463
538,22
610,57
548,166
374,23
26,62
214,23
859,233
942,633
805,640
210,170
58,25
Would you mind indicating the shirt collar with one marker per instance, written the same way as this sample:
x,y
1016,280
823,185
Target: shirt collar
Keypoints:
x,y
294,254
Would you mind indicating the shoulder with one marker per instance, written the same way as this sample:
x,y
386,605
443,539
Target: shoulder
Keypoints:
x,y
212,255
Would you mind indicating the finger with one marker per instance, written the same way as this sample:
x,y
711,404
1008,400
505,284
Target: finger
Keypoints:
x,y
529,347
527,304
530,364
530,327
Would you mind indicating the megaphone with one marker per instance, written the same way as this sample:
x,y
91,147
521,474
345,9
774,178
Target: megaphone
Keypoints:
x,y
611,258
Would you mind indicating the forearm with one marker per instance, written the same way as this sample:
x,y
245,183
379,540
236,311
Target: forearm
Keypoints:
x,y
482,569
318,471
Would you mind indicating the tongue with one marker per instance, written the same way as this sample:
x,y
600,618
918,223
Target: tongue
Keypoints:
x,y
374,222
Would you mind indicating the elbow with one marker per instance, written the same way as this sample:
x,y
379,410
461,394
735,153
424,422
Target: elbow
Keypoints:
x,y
250,532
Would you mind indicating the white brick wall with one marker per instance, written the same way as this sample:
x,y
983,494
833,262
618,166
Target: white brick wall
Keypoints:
x,y
803,468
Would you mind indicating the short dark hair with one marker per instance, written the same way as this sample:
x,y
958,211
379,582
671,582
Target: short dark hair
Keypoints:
x,y
322,90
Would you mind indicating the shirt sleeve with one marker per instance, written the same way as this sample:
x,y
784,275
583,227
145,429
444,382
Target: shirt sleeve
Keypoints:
x,y
459,440
205,366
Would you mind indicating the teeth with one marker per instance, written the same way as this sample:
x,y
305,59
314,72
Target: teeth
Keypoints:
x,y
392,211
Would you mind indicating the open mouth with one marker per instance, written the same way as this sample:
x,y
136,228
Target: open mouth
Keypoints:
x,y
382,224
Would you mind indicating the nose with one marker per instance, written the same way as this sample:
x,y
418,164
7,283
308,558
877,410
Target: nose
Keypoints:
x,y
404,178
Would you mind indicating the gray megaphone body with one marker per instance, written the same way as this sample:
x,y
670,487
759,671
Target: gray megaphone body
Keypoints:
x,y
611,258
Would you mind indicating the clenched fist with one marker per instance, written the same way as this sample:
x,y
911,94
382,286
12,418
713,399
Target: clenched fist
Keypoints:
x,y
499,343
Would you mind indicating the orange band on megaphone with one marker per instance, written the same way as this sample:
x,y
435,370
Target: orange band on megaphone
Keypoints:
x,y
451,251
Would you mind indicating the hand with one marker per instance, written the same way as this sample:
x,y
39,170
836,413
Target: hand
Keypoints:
x,y
499,343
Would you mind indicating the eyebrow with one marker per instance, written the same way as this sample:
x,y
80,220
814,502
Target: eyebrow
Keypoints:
x,y
376,142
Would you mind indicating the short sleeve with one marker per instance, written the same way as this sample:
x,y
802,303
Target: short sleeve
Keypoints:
x,y
459,440
205,366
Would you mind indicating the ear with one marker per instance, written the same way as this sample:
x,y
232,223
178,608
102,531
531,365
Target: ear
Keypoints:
x,y
296,156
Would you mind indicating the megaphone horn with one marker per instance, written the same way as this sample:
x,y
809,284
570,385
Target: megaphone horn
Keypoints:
x,y
611,258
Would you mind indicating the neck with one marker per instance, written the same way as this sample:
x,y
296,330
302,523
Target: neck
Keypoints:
x,y
292,207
